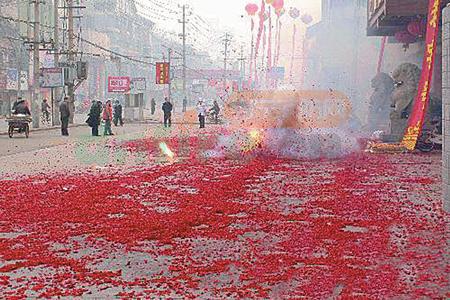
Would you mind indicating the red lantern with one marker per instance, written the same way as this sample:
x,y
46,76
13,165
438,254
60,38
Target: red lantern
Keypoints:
x,y
306,19
278,4
251,9
417,27
405,37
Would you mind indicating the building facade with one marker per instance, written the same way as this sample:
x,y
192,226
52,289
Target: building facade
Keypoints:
x,y
340,55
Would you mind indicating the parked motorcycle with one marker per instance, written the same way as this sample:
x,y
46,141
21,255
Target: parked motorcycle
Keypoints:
x,y
431,139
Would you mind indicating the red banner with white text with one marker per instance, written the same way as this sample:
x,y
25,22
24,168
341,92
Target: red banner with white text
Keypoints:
x,y
422,100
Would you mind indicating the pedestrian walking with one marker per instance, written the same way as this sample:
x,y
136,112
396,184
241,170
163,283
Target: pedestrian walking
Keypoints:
x,y
153,106
107,117
94,117
184,104
65,114
45,111
167,109
201,110
118,114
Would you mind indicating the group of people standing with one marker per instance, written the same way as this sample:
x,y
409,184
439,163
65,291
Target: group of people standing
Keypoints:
x,y
99,112
113,115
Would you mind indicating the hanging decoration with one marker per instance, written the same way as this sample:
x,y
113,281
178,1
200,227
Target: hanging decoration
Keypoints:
x,y
280,12
258,38
405,38
306,19
278,4
294,13
269,46
263,57
417,27
252,47
381,56
415,123
251,9
293,53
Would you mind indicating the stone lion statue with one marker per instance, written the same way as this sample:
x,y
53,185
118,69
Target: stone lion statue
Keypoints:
x,y
380,102
406,81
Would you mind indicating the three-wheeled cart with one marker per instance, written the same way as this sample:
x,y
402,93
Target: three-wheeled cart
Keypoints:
x,y
18,124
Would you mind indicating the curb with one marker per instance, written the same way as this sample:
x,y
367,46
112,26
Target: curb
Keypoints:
x,y
57,127
48,128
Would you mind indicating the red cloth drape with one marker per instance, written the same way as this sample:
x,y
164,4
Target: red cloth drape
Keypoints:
x,y
422,100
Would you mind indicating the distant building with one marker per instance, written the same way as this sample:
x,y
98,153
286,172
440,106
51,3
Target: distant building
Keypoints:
x,y
14,52
386,18
339,55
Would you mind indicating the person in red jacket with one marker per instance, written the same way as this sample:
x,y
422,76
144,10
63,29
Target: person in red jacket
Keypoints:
x,y
107,117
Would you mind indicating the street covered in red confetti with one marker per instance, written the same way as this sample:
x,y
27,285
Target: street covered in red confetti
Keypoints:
x,y
254,226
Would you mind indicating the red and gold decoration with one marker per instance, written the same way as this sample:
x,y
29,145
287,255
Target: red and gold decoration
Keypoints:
x,y
406,38
162,73
417,28
423,95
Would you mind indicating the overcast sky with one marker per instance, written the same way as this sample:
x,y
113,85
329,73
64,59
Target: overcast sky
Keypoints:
x,y
230,12
223,16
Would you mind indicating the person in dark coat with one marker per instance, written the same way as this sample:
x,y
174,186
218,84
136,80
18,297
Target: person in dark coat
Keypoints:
x,y
118,114
167,109
20,107
184,104
94,117
153,106
65,114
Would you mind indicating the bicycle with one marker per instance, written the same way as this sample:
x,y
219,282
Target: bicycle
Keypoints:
x,y
45,118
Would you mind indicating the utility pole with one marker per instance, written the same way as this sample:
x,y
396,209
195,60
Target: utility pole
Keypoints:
x,y
71,58
225,61
184,21
19,57
36,64
56,92
242,65
169,53
242,61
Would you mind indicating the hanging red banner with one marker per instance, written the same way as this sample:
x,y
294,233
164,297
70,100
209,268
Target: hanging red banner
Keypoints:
x,y
422,100
162,73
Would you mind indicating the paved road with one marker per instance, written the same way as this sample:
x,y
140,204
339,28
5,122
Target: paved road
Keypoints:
x,y
124,225
51,138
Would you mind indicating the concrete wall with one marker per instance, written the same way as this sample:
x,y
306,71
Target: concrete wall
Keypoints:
x,y
446,106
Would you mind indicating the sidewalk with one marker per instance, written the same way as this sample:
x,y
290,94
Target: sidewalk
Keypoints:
x,y
78,120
